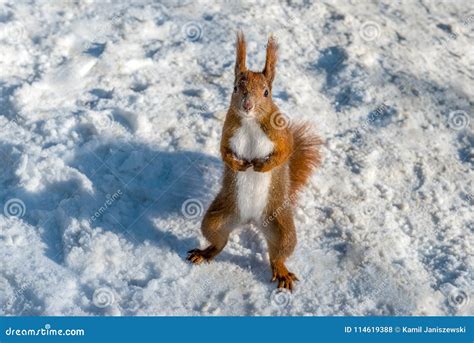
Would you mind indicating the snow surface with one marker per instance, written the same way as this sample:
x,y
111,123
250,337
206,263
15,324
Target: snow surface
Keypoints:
x,y
111,115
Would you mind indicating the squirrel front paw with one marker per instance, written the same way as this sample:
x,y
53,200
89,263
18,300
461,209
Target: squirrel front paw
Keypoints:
x,y
242,165
260,164
237,164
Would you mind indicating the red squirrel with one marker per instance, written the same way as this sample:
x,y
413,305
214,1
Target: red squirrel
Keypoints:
x,y
265,165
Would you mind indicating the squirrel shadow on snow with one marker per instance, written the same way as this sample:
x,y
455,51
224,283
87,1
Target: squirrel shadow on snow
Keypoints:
x,y
144,188
149,186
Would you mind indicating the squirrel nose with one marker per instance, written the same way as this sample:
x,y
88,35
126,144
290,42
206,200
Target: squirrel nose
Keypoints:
x,y
247,105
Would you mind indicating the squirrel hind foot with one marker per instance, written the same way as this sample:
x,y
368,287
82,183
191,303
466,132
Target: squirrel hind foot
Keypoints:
x,y
197,256
284,278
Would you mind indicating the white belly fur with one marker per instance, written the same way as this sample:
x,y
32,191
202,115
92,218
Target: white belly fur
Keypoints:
x,y
250,142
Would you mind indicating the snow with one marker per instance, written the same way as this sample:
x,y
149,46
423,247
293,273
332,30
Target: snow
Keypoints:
x,y
111,115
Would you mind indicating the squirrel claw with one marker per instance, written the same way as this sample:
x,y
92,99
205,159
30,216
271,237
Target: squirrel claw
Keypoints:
x,y
197,256
285,281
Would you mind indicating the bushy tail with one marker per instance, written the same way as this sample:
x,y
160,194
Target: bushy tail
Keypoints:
x,y
306,157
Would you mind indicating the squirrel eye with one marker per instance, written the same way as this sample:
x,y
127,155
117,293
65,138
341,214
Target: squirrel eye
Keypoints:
x,y
266,93
235,89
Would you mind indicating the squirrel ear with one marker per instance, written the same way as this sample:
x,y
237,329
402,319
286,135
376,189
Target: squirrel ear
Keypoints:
x,y
240,54
270,62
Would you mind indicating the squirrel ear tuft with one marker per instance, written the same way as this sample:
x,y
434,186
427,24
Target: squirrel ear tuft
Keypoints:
x,y
270,62
240,54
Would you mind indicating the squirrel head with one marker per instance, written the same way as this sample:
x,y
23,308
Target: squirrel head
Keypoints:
x,y
252,94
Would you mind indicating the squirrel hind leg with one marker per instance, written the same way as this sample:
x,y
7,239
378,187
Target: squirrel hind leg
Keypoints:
x,y
281,241
215,228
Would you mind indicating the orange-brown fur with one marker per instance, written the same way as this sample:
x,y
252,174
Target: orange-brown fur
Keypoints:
x,y
305,158
294,157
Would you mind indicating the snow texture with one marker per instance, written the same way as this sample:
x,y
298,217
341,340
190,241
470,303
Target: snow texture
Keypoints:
x,y
111,115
